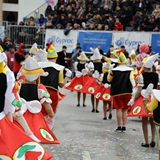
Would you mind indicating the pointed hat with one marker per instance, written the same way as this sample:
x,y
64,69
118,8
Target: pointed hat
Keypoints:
x,y
51,51
122,58
150,61
96,54
32,70
83,57
34,49
114,52
132,52
41,56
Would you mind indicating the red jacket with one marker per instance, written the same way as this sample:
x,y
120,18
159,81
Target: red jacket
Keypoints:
x,y
18,58
118,26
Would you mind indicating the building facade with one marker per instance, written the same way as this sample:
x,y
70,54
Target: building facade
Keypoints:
x,y
20,8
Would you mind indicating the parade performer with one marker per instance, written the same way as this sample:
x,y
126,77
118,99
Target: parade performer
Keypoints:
x,y
17,102
14,142
31,91
31,111
140,58
103,92
153,106
143,49
122,82
41,56
91,86
55,78
78,82
144,80
132,57
33,95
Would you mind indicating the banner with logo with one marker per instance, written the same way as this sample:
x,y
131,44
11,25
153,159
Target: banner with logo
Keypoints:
x,y
130,39
92,39
155,43
2,32
59,39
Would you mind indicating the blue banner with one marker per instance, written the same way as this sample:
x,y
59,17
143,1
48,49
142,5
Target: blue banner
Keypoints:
x,y
155,43
95,39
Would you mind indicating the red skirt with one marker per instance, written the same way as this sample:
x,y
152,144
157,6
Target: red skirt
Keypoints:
x,y
77,84
39,127
138,109
61,96
90,87
15,143
103,93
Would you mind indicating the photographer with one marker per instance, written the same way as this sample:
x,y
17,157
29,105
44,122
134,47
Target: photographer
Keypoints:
x,y
74,58
76,54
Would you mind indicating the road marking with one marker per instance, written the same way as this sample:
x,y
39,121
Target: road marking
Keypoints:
x,y
86,155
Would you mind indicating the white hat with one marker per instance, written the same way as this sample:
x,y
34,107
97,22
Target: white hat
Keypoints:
x,y
83,57
132,52
34,49
156,93
3,57
96,54
150,61
31,70
41,56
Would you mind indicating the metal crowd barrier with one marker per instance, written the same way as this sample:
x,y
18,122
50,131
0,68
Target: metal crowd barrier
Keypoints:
x,y
4,23
27,35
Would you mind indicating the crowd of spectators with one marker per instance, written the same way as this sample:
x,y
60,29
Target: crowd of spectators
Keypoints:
x,y
116,15
108,15
102,15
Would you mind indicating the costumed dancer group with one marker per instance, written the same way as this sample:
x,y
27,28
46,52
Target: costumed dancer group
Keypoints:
x,y
128,85
28,104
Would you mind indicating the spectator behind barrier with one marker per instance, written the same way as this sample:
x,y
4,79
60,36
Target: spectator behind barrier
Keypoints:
x,y
48,11
156,12
41,20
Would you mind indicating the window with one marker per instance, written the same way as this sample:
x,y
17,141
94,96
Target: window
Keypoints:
x,y
10,1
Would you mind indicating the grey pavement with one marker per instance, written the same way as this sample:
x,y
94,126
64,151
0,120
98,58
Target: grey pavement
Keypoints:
x,y
84,135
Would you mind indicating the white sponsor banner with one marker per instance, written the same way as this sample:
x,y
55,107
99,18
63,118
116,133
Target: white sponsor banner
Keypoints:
x,y
2,32
130,39
59,39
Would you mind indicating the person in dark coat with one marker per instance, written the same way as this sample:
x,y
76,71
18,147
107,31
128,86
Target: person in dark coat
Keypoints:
x,y
62,57
48,11
125,52
55,19
126,16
